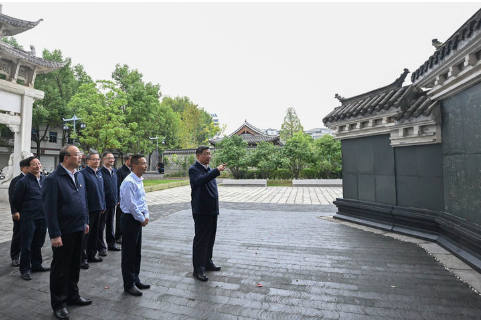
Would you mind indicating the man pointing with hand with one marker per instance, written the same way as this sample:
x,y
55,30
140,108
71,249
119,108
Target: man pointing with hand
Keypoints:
x,y
205,209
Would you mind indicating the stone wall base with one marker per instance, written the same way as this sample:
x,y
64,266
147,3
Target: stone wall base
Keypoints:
x,y
462,238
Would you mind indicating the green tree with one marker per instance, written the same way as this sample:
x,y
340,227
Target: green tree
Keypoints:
x,y
291,125
142,110
328,157
266,158
59,87
298,152
12,41
100,105
233,151
196,126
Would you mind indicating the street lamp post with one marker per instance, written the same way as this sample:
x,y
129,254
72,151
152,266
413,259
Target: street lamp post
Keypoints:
x,y
74,119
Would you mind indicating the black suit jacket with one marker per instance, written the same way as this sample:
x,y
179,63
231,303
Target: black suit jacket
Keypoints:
x,y
11,188
122,173
205,197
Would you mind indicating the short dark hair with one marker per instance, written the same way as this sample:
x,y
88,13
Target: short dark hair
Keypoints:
x,y
201,149
64,152
105,153
135,158
92,152
24,164
127,156
29,160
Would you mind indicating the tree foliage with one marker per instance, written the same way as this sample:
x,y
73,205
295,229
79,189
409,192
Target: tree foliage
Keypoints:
x,y
298,152
233,151
59,87
266,158
12,41
291,125
100,105
196,124
328,157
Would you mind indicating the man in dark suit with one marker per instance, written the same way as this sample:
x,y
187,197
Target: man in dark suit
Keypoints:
x,y
122,173
94,185
65,208
205,210
109,175
28,202
15,245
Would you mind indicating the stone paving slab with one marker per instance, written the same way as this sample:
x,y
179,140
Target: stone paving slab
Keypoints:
x,y
309,266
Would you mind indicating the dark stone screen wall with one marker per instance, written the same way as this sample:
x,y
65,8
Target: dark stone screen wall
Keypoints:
x,y
419,177
368,169
462,154
405,176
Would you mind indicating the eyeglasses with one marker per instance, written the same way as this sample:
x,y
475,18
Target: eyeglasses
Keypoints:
x,y
110,158
94,159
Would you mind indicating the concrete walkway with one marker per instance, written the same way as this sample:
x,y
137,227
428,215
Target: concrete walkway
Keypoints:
x,y
279,261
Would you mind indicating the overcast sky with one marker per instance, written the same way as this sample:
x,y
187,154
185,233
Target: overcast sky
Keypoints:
x,y
248,60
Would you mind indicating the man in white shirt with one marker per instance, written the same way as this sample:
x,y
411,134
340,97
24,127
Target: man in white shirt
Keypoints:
x,y
135,215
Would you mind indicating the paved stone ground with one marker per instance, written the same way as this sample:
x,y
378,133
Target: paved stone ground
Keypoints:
x,y
308,266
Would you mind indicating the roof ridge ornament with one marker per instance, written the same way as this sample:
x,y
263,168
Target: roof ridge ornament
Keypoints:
x,y
339,97
399,81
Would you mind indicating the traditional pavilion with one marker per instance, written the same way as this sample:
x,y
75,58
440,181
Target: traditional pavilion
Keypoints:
x,y
252,135
412,154
18,69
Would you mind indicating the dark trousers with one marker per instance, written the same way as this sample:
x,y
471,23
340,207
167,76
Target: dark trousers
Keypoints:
x,y
65,272
89,242
15,245
131,249
205,229
118,231
107,223
33,238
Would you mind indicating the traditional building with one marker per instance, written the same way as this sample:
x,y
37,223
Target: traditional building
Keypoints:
x,y
412,154
18,69
252,135
318,133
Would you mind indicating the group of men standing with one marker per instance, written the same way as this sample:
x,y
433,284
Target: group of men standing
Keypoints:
x,y
75,206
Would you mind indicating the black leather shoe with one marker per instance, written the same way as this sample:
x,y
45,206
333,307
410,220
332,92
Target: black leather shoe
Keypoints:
x,y
95,259
134,291
212,267
141,285
26,276
15,263
61,313
80,302
114,248
200,276
103,253
40,269
84,265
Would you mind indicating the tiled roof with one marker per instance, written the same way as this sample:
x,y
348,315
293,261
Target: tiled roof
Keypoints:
x,y
45,65
13,26
253,136
248,125
450,45
408,101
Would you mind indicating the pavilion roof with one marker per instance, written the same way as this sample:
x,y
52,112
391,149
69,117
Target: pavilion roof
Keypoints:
x,y
8,51
10,26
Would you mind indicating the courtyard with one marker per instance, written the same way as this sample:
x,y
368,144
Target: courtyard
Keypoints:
x,y
283,256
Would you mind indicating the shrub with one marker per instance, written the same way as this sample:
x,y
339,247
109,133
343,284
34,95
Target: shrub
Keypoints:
x,y
282,174
309,174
